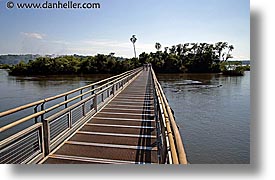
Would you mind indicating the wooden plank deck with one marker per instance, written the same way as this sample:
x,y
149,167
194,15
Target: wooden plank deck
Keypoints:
x,y
124,131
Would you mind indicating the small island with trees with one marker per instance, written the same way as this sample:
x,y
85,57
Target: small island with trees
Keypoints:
x,y
180,58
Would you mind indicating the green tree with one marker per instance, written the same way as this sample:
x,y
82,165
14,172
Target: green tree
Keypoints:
x,y
188,57
144,58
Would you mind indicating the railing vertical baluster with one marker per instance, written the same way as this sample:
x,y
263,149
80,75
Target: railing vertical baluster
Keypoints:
x,y
81,91
102,95
113,89
83,109
93,92
70,119
42,109
95,102
66,98
35,111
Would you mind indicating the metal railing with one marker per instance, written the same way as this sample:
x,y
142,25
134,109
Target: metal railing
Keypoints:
x,y
53,125
51,128
170,143
23,147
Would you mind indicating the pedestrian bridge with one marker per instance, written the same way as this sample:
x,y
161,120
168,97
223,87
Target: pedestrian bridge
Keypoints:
x,y
124,119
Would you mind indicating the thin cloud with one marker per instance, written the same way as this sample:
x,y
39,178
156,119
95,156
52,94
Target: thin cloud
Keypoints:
x,y
105,46
33,35
105,43
37,43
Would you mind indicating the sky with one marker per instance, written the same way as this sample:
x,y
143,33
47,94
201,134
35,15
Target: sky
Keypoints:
x,y
109,28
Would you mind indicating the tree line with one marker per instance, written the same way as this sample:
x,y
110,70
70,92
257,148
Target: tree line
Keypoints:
x,y
181,58
11,59
189,57
99,64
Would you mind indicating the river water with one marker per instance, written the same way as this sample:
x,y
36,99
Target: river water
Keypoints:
x,y
212,110
213,113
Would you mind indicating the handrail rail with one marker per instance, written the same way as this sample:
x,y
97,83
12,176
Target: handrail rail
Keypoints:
x,y
15,136
39,139
169,131
180,156
11,111
177,136
22,120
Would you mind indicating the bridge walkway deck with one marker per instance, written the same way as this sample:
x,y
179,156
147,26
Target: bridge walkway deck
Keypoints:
x,y
124,131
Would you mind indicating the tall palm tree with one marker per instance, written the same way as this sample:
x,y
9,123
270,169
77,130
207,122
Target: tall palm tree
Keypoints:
x,y
173,50
179,49
166,49
230,48
158,46
194,47
202,47
220,46
133,39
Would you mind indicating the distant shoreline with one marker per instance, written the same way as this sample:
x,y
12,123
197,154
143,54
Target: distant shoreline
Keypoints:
x,y
180,58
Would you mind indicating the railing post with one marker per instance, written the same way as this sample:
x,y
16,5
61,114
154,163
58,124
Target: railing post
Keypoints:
x,y
93,92
83,109
101,94
66,98
46,133
95,102
70,119
113,89
35,111
81,91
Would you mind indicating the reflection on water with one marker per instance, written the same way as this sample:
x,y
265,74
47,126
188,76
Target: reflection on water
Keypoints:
x,y
213,114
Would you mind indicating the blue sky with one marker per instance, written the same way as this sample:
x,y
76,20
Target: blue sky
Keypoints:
x,y
108,29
